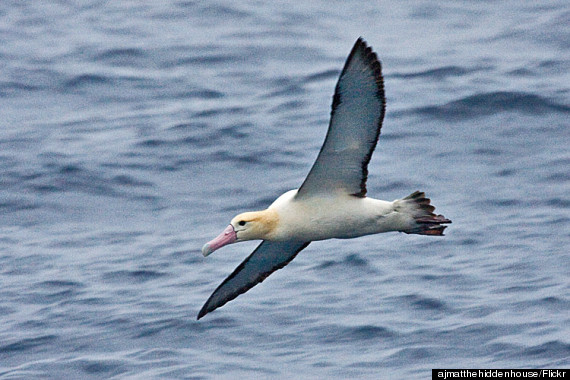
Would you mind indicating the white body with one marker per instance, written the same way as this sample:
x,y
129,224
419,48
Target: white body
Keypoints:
x,y
338,216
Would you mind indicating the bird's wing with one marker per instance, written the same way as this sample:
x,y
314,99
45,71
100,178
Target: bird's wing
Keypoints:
x,y
268,257
358,109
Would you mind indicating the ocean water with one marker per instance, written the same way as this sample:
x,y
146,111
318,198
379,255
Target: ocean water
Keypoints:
x,y
131,132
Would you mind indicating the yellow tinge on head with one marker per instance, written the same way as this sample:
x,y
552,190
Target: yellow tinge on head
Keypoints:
x,y
256,225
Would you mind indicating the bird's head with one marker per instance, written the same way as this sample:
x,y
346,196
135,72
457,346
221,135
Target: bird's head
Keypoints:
x,y
255,225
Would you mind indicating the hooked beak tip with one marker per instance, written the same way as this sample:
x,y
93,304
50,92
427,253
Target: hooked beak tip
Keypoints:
x,y
206,250
228,236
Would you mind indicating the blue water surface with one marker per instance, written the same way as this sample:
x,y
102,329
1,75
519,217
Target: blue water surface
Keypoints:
x,y
131,132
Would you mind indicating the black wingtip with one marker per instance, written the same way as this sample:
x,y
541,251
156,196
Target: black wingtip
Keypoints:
x,y
204,310
283,251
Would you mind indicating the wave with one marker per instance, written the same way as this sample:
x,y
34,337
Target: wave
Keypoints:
x,y
491,103
438,73
27,343
128,276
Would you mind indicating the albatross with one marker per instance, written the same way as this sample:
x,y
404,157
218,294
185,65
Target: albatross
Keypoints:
x,y
331,202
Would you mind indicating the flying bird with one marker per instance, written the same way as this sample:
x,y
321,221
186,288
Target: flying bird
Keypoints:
x,y
331,202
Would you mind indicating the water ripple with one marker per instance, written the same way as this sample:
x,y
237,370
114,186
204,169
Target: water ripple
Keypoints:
x,y
438,73
491,103
28,343
139,275
357,334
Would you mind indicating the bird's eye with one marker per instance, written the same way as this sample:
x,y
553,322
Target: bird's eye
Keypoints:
x,y
241,222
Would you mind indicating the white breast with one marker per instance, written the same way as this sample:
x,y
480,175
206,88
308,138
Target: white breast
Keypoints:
x,y
341,216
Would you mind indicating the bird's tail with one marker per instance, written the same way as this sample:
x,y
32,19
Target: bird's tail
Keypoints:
x,y
427,223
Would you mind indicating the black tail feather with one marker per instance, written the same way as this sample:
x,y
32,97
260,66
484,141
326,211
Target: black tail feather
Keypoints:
x,y
427,223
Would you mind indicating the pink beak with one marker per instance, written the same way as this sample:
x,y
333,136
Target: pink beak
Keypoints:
x,y
228,236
